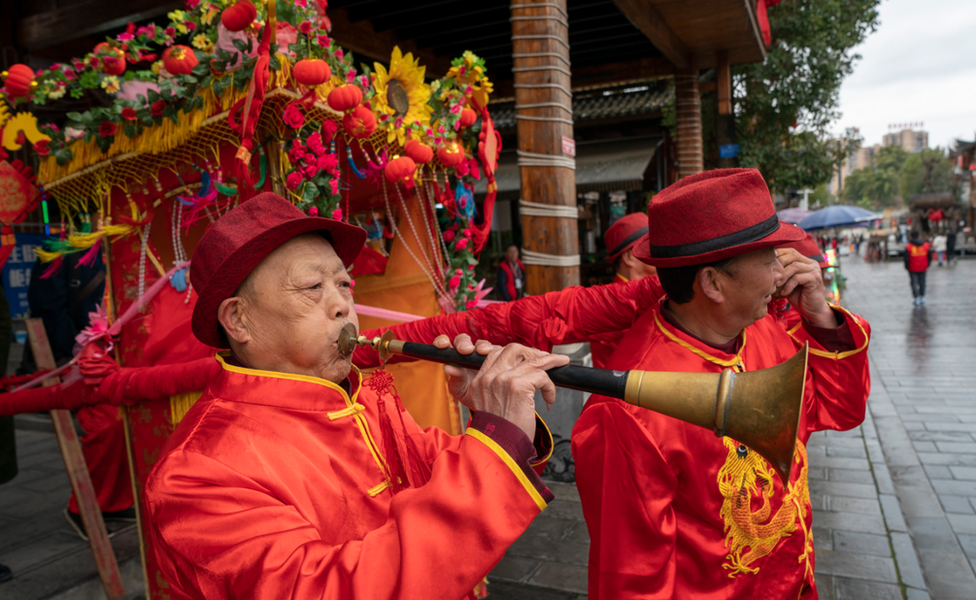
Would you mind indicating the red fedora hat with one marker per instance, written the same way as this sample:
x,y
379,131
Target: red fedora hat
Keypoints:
x,y
623,234
233,246
711,216
808,247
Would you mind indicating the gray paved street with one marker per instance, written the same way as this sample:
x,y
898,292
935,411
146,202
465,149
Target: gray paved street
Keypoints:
x,y
894,500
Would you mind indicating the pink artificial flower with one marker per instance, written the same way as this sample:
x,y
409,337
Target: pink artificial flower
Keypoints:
x,y
310,171
455,109
337,214
79,65
471,304
305,27
350,76
335,186
313,212
339,54
55,66
93,61
467,233
462,244
458,272
190,25
69,74
125,37
309,159
302,3
170,32
191,4
323,41
293,180
97,327
448,236
454,282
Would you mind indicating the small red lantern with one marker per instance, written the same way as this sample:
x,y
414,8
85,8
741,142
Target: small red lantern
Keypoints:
x,y
360,123
311,72
420,153
112,60
179,60
468,117
450,158
19,81
401,169
238,16
346,97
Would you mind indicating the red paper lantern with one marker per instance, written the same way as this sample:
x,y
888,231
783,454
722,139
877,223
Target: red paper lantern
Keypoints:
x,y
401,169
311,72
360,123
346,97
116,66
468,117
238,16
179,60
19,80
449,158
420,153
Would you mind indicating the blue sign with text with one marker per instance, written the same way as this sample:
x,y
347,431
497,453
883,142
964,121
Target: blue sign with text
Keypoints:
x,y
17,273
728,151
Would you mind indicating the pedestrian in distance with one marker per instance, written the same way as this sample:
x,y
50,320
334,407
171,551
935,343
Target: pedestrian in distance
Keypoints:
x,y
951,245
939,244
511,275
918,257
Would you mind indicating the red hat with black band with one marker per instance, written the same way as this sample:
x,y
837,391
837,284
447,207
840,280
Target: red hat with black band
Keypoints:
x,y
711,216
237,243
807,247
624,233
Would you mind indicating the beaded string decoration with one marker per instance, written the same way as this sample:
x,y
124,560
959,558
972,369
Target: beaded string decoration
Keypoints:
x,y
389,215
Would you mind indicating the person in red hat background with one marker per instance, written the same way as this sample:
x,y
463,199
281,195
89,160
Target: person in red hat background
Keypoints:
x,y
295,475
672,510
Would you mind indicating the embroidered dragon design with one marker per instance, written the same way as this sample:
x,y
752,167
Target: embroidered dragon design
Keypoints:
x,y
753,534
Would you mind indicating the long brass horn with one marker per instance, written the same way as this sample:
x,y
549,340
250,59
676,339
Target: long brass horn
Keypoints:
x,y
760,409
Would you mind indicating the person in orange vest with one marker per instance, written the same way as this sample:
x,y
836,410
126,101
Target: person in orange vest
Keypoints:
x,y
511,275
918,257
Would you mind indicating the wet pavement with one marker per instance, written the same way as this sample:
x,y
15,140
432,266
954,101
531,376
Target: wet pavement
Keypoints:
x,y
894,499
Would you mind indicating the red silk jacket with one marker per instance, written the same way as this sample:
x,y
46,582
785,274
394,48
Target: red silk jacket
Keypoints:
x,y
673,511
276,486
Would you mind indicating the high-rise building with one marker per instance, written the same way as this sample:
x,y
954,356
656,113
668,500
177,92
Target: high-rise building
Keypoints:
x,y
859,158
907,136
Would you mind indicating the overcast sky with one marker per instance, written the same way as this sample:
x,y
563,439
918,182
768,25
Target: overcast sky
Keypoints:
x,y
920,65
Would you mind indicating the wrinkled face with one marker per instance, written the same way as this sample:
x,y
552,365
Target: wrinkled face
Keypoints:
x,y
748,284
297,301
511,254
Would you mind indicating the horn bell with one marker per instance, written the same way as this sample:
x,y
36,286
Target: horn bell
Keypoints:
x,y
760,409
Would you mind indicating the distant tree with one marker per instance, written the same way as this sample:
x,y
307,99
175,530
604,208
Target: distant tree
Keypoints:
x,y
890,158
926,172
871,187
785,106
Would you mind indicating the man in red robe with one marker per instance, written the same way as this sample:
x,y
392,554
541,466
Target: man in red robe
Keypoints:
x,y
294,477
672,510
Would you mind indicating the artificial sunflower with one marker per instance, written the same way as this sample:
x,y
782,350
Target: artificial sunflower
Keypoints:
x,y
402,94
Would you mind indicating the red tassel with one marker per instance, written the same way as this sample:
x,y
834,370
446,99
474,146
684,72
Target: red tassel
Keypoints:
x,y
391,450
89,258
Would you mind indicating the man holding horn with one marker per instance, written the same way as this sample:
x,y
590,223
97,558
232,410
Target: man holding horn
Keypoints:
x,y
674,511
297,476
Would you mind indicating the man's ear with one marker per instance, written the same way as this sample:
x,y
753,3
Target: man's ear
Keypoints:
x,y
629,259
231,315
709,283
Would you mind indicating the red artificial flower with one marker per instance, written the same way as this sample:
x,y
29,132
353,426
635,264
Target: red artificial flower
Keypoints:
x,y
335,186
294,117
93,61
462,244
337,214
327,162
305,27
129,114
448,236
315,144
296,154
309,159
454,282
41,147
328,130
310,171
79,65
293,180
156,109
471,304
190,25
69,74
314,211
191,4
170,32
107,129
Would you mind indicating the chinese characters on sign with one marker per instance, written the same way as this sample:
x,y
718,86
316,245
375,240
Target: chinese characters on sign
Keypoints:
x,y
17,273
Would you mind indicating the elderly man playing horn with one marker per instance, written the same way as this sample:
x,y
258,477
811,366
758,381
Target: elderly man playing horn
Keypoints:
x,y
674,511
295,475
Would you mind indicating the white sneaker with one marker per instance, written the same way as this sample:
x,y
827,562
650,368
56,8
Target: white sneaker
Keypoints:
x,y
921,299
915,301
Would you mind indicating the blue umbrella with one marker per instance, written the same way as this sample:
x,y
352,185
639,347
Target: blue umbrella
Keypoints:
x,y
837,216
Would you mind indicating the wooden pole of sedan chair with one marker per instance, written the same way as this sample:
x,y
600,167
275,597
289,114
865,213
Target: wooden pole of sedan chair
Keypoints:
x,y
546,150
74,463
688,104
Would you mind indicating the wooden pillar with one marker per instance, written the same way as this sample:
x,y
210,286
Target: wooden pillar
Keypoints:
x,y
725,121
543,110
688,101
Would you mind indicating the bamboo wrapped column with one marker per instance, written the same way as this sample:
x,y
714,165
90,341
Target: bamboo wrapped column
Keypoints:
x,y
688,101
543,110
